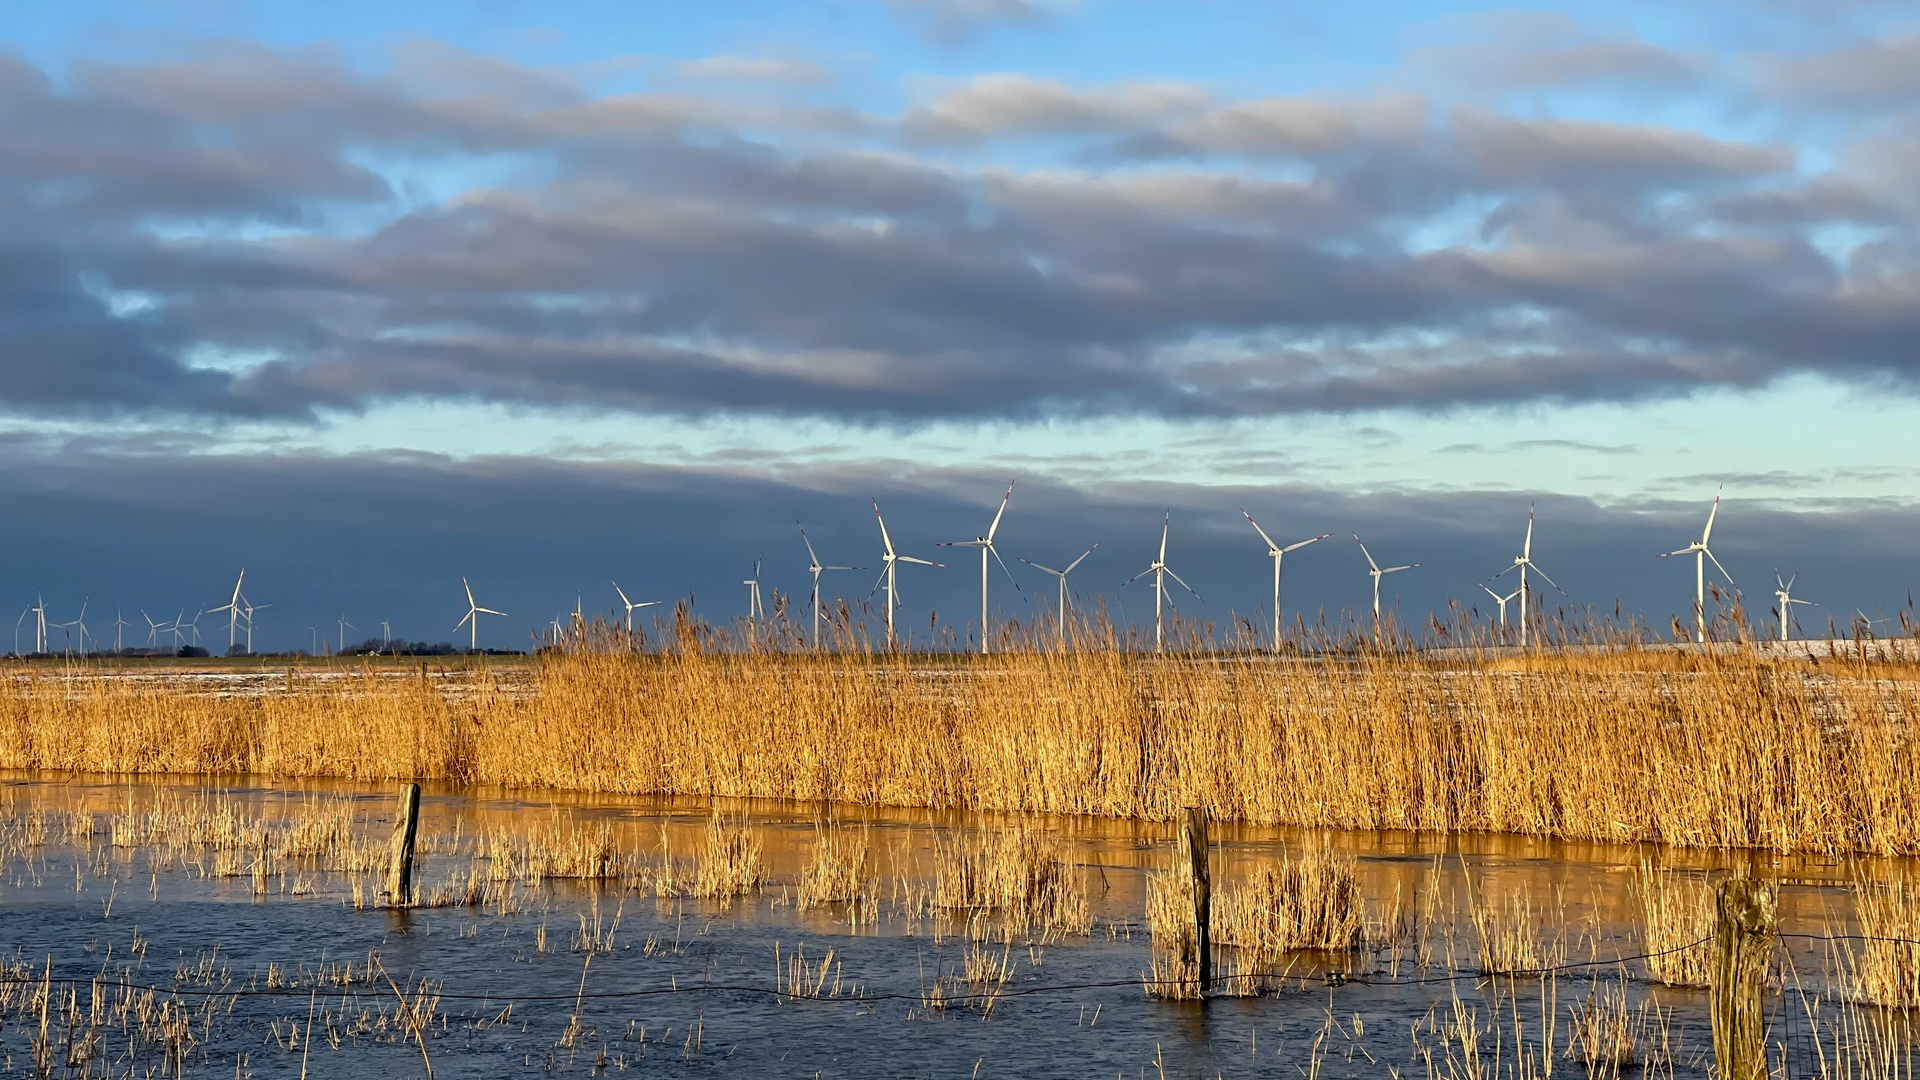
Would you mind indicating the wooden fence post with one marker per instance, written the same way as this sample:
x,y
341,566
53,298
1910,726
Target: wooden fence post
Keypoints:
x,y
400,868
1193,836
1743,937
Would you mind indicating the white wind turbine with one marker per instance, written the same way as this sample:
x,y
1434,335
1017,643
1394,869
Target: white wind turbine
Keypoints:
x,y
153,630
1160,571
232,608
816,569
631,606
1701,553
1784,593
344,627
985,544
471,620
81,624
1276,553
1062,575
1502,601
1378,573
119,624
755,610
890,561
248,607
16,629
40,624
1524,562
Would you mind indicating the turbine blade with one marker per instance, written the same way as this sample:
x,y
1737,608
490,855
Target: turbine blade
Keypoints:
x,y
920,562
1271,546
1723,570
1550,581
1082,558
463,620
813,560
1165,523
1707,534
1009,573
1304,543
1364,551
1526,549
1183,584
884,538
623,594
1048,569
995,527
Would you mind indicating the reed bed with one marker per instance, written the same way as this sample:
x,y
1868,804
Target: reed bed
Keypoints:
x,y
1885,968
1309,903
1677,915
1722,749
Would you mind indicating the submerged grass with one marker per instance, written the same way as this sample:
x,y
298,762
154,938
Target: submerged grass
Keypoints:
x,y
1723,749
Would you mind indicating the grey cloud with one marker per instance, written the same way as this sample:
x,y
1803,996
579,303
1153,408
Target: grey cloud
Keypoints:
x,y
952,22
1879,72
700,254
754,69
1518,51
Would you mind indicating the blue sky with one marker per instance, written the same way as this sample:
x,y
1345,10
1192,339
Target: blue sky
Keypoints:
x,y
1401,267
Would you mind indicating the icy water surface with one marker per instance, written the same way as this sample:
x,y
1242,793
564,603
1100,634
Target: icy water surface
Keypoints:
x,y
689,988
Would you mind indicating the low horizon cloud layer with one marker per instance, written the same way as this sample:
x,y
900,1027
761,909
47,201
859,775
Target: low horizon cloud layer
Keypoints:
x,y
1529,211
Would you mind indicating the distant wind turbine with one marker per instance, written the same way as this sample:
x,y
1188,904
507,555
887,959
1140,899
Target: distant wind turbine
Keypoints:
x,y
985,544
816,569
1501,600
233,607
1701,553
1784,593
153,630
890,561
755,610
1062,576
471,619
631,606
40,625
1524,562
1160,571
16,629
249,608
1276,553
1378,573
81,624
119,623
344,627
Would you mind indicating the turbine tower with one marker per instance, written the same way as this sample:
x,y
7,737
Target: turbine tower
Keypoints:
x,y
247,606
816,569
40,625
1523,562
119,624
471,620
985,544
631,606
1276,553
1160,571
1701,553
344,627
1062,575
890,560
1378,573
1784,592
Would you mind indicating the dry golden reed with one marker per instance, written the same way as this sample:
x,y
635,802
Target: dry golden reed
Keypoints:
x,y
1731,749
1678,915
1886,966
1312,902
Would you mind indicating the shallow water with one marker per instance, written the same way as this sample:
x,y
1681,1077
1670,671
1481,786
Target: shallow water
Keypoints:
x,y
687,989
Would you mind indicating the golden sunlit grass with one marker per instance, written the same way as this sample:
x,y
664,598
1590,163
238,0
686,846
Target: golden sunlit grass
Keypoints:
x,y
1312,902
1886,965
1725,750
1677,912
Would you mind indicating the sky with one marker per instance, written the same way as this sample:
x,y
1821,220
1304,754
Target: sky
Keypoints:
x,y
367,298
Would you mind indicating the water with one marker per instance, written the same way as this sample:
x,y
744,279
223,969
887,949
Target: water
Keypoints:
x,y
686,990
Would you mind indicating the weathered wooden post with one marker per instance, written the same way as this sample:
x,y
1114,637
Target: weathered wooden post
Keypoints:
x,y
1743,937
1193,836
400,867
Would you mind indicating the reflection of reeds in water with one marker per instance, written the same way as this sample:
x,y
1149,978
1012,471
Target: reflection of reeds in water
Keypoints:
x,y
1886,967
1677,915
1721,750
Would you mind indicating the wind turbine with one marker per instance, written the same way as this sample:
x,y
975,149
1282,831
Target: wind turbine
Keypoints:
x,y
1276,552
247,605
1160,571
471,619
1785,594
1701,553
81,624
1377,575
344,627
16,629
814,568
891,560
40,624
755,611
1524,562
193,626
153,630
386,636
985,544
1062,575
119,623
232,608
631,606
1502,601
